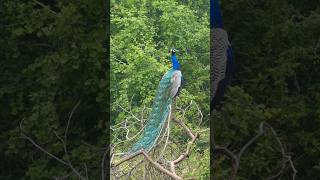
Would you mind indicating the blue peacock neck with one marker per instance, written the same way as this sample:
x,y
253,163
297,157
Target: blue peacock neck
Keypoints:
x,y
175,62
215,14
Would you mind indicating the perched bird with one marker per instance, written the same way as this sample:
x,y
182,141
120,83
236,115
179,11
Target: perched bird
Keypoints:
x,y
167,90
221,56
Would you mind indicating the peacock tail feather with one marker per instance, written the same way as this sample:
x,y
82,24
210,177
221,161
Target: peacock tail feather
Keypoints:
x,y
158,116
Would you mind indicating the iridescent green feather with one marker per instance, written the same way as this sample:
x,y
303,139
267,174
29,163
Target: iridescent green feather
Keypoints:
x,y
158,116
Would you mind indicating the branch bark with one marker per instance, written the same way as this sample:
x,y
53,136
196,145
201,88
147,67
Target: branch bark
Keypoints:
x,y
187,152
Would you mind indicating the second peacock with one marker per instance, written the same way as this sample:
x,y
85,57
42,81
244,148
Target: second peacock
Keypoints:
x,y
221,56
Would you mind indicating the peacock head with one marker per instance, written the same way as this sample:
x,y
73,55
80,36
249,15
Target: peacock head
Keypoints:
x,y
173,51
174,59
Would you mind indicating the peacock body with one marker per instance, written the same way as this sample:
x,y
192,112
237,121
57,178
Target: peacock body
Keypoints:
x,y
221,56
167,90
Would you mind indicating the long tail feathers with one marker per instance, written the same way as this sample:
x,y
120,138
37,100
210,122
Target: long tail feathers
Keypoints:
x,y
159,114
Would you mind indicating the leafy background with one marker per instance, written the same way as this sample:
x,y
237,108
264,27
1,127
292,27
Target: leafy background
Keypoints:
x,y
276,45
142,32
52,56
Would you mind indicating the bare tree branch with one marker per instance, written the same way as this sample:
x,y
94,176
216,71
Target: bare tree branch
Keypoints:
x,y
44,6
69,119
155,164
63,142
43,150
186,153
103,161
236,157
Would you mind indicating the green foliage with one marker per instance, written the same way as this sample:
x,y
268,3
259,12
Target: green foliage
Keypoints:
x,y
276,45
52,56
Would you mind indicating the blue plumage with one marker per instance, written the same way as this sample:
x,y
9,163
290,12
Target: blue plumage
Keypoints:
x,y
215,14
230,53
175,62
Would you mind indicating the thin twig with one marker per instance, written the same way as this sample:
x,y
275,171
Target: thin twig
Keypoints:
x,y
44,6
236,157
86,170
103,163
63,141
43,150
69,119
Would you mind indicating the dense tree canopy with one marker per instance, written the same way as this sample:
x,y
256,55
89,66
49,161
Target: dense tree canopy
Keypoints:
x,y
276,45
52,56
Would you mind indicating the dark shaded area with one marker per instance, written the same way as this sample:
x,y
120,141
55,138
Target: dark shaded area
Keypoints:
x,y
53,54
276,50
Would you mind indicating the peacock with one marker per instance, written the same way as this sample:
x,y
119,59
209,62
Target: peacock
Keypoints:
x,y
221,56
168,89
